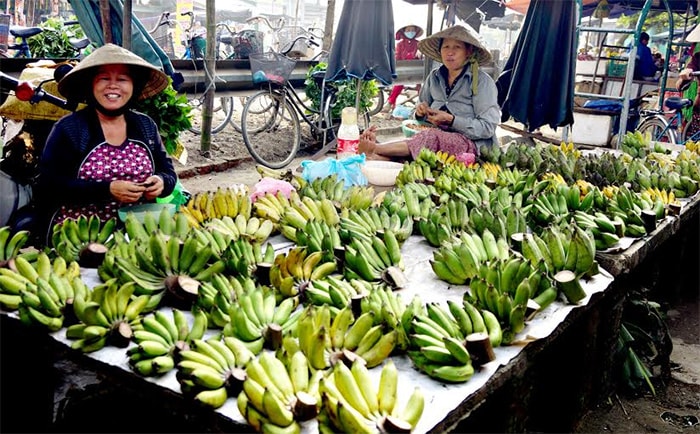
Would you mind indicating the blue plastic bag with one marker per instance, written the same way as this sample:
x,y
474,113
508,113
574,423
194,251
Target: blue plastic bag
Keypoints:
x,y
348,170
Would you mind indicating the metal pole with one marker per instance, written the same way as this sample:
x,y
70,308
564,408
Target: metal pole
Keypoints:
x,y
106,22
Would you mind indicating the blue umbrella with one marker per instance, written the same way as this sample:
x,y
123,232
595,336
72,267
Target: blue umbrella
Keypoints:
x,y
537,84
142,44
363,46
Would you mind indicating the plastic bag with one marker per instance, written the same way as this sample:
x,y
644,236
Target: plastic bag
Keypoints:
x,y
271,185
179,196
348,170
402,112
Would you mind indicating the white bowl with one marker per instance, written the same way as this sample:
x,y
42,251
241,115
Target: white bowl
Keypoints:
x,y
381,173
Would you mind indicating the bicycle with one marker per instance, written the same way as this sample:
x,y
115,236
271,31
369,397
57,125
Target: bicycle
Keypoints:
x,y
667,126
222,108
22,34
276,111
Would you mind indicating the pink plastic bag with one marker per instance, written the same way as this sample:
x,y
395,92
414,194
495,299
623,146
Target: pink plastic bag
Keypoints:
x,y
270,185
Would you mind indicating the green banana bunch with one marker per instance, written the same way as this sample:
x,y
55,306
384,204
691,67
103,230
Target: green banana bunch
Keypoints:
x,y
11,243
389,310
320,236
549,207
436,229
327,187
358,197
242,256
217,296
71,237
253,229
292,271
256,318
275,396
414,171
106,316
172,225
377,259
457,262
333,291
606,231
368,222
301,209
271,207
158,339
475,195
352,403
213,370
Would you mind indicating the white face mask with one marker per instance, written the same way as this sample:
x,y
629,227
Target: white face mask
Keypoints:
x,y
410,35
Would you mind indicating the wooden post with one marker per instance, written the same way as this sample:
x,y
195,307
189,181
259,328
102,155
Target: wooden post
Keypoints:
x,y
126,25
210,68
106,22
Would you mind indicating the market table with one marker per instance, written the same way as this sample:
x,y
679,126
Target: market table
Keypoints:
x,y
561,360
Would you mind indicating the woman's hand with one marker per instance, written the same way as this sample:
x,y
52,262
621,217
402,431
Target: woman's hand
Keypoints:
x,y
126,191
685,74
153,187
440,118
422,109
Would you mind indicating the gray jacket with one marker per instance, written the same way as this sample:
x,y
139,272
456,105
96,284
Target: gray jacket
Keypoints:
x,y
476,116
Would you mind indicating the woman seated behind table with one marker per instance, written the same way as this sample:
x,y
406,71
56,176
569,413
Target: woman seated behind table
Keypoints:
x,y
457,97
106,155
684,77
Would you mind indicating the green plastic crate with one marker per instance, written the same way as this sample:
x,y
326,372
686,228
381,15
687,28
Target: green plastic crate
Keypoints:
x,y
617,68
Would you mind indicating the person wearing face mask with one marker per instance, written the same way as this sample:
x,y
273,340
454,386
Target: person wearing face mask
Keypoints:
x,y
406,49
105,155
458,98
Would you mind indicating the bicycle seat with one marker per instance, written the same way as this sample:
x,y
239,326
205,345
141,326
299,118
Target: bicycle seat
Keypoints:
x,y
25,32
677,103
79,44
226,39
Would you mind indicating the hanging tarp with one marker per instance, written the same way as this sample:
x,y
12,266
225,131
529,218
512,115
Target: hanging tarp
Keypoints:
x,y
537,84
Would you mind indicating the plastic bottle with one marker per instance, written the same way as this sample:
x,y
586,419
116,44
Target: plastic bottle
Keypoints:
x,y
348,133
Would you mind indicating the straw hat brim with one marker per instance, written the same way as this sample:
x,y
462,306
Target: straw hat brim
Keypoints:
x,y
399,33
694,36
77,84
430,46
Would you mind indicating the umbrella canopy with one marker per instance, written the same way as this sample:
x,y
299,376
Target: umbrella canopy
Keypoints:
x,y
537,83
142,44
363,46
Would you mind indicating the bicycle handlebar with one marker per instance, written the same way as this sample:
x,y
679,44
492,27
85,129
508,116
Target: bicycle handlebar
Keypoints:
x,y
24,91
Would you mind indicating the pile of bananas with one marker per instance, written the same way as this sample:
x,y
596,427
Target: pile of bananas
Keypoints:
x,y
491,170
276,397
414,171
170,225
333,291
344,197
106,316
209,205
11,243
217,296
242,257
375,259
458,261
292,271
436,160
666,197
253,228
44,292
257,319
414,199
606,231
569,149
319,236
22,277
551,208
213,370
325,340
72,236
368,222
450,218
271,206
301,210
353,404
391,311
158,340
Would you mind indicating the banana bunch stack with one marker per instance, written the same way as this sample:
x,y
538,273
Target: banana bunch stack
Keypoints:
x,y
516,180
333,291
436,159
358,197
375,259
574,249
253,228
630,206
170,225
319,236
576,200
11,243
549,208
501,221
217,296
257,320
367,222
159,339
242,256
606,231
457,262
414,171
504,288
450,218
271,206
473,194
22,276
47,297
688,163
353,404
213,370
417,198
654,194
292,271
326,187
209,205
72,236
437,342
275,397
106,316
391,311
325,340
301,210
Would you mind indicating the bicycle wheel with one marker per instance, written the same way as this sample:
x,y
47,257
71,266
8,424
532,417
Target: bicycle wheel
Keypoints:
x,y
271,129
690,133
377,103
658,130
221,113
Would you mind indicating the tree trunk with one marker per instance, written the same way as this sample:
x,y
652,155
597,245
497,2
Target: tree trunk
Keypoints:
x,y
328,31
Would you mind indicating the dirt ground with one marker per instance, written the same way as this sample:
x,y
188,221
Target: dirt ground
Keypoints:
x,y
676,404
